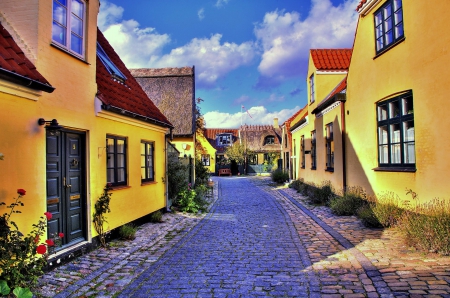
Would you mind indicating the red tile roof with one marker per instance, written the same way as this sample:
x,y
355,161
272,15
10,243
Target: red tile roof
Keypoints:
x,y
211,133
360,5
127,96
16,67
331,59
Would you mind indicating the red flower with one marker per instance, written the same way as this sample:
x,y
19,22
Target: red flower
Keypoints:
x,y
41,249
61,235
50,242
48,215
21,191
36,239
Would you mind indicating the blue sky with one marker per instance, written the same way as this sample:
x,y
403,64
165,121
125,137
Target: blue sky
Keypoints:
x,y
251,53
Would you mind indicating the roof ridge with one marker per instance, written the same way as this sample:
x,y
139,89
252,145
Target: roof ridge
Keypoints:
x,y
17,39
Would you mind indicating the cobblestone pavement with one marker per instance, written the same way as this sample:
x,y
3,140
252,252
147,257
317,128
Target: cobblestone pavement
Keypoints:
x,y
256,241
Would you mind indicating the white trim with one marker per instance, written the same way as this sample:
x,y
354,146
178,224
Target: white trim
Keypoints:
x,y
328,109
20,91
301,126
330,72
125,120
368,6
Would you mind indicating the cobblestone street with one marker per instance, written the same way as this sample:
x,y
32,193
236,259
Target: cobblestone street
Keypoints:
x,y
257,240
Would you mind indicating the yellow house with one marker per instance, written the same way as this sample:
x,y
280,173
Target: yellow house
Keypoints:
x,y
317,134
206,153
398,78
64,146
294,124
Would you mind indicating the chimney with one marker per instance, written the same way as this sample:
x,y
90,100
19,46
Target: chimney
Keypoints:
x,y
275,123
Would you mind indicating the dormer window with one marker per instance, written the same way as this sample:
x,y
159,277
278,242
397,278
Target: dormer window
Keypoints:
x,y
224,139
110,66
269,140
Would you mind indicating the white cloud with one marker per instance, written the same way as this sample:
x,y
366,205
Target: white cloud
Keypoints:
x,y
286,39
143,47
201,13
259,116
220,3
212,59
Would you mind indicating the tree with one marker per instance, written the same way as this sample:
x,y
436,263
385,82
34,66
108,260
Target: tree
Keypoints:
x,y
237,152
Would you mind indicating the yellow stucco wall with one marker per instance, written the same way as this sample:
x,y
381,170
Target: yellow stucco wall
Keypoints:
x,y
190,145
209,150
419,63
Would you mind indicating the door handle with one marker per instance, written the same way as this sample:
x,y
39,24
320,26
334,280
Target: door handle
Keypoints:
x,y
65,184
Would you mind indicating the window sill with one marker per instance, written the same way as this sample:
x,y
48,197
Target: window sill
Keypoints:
x,y
302,167
329,170
395,169
143,183
120,187
69,53
313,168
388,48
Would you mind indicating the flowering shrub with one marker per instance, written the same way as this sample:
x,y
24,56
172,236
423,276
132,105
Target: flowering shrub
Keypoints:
x,y
186,200
22,258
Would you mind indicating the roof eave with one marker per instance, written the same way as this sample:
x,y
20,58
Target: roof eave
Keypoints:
x,y
121,111
337,97
24,81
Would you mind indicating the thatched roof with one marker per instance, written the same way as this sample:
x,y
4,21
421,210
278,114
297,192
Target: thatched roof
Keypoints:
x,y
255,135
172,90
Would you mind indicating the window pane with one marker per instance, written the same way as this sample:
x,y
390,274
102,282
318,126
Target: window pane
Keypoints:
x,y
379,31
382,112
110,145
398,17
59,34
110,161
110,176
76,25
388,24
149,149
378,19
397,4
120,175
59,13
407,105
382,135
410,156
387,11
78,8
395,143
120,160
143,176
143,161
388,38
383,153
76,44
120,146
395,133
408,131
399,30
394,109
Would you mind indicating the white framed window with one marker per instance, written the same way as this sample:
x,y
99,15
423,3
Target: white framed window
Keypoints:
x,y
224,139
205,159
311,89
147,161
68,28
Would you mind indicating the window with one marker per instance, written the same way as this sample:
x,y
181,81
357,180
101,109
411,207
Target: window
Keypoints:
x,y
311,89
313,150
252,159
68,29
224,139
286,141
388,24
116,160
269,140
302,148
110,66
147,161
396,142
205,159
329,146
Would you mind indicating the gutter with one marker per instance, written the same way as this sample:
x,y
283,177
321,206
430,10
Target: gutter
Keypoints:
x,y
137,116
24,81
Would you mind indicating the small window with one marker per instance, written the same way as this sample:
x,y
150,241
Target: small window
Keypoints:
x,y
224,139
147,161
110,66
116,165
311,89
313,150
68,29
286,141
388,24
396,140
269,140
329,145
302,146
252,159
205,159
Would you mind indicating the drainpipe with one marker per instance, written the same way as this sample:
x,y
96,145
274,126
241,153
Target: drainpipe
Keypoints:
x,y
344,163
166,176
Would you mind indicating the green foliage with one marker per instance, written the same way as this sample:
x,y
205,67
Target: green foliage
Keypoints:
x,y
127,232
279,176
200,194
4,289
23,293
322,194
349,203
368,217
236,152
186,200
101,208
201,173
426,226
156,216
177,176
21,263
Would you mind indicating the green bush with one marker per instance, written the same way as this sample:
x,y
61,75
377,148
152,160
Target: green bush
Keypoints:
x,y
368,217
156,216
279,176
320,195
201,173
352,199
426,227
296,184
387,210
127,232
200,194
178,176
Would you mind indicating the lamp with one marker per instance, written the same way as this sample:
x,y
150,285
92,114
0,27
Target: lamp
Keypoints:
x,y
53,124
